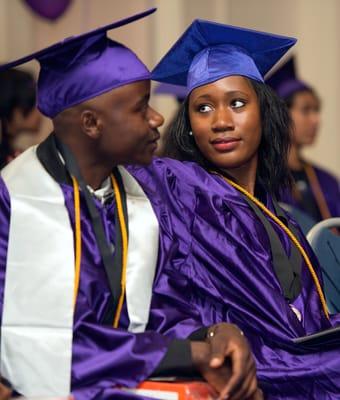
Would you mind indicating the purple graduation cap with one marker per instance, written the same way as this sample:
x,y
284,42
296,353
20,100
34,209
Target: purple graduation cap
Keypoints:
x,y
177,91
208,51
82,67
284,80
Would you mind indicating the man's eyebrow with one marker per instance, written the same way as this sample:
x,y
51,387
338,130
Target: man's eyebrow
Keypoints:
x,y
142,100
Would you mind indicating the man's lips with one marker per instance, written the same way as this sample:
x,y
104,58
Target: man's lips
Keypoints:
x,y
155,138
153,143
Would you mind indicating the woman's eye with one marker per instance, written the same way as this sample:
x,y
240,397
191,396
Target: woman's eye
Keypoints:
x,y
237,103
204,108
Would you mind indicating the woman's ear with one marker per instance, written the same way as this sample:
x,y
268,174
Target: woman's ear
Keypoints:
x,y
91,124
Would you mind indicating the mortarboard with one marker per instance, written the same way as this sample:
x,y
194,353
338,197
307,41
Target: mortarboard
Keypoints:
x,y
284,80
208,51
82,67
180,92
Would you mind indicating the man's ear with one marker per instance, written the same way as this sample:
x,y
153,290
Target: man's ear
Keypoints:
x,y
91,124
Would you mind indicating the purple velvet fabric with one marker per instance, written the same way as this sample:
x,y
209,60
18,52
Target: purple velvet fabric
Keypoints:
x,y
330,187
105,358
229,276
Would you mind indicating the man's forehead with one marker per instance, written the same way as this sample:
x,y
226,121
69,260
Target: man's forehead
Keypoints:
x,y
132,92
126,94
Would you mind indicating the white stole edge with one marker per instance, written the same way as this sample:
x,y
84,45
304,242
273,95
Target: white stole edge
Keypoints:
x,y
142,253
37,323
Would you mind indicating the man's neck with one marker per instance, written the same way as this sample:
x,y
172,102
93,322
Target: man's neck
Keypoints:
x,y
94,174
92,166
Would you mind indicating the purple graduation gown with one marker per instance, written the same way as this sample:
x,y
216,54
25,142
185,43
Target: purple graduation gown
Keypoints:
x,y
104,358
227,272
330,187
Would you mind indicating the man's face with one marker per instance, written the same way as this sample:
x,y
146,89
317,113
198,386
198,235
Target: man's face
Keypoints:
x,y
129,126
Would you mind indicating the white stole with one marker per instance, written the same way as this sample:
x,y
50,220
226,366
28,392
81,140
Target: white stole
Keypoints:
x,y
37,320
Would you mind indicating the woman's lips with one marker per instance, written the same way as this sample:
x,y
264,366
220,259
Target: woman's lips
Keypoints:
x,y
225,144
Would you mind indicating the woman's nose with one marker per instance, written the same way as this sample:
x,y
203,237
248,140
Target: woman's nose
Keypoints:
x,y
222,120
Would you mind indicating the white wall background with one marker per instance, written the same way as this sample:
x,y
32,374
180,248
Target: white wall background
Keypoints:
x,y
313,22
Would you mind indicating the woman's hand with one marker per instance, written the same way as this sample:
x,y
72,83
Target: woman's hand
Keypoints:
x,y
228,342
226,363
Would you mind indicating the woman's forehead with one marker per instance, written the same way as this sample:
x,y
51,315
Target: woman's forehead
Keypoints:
x,y
230,84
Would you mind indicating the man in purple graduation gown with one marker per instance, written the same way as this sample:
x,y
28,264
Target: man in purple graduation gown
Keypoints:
x,y
63,212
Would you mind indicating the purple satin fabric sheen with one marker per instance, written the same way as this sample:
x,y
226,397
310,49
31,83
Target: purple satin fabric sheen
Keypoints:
x,y
172,90
227,271
213,63
330,187
50,9
94,66
104,358
82,67
252,54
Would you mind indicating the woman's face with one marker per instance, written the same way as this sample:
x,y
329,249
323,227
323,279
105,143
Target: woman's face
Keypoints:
x,y
305,114
25,123
226,122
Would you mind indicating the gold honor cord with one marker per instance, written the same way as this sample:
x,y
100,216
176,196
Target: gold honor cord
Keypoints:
x,y
123,228
77,238
289,234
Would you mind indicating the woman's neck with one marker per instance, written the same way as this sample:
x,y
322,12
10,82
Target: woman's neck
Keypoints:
x,y
245,175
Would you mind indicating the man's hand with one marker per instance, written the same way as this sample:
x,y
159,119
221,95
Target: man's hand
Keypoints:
x,y
226,362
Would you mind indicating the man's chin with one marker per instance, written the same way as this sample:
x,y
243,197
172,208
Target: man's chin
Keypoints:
x,y
143,161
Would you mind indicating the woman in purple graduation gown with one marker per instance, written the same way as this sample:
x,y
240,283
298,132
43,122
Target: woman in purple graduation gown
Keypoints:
x,y
315,191
248,262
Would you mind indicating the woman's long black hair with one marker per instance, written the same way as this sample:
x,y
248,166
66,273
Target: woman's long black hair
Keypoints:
x,y
272,172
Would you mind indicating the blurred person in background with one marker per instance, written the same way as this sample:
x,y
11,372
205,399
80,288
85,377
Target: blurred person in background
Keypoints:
x,y
20,119
315,191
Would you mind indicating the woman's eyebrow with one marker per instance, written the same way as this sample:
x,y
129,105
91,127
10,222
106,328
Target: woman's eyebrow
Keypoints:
x,y
230,93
